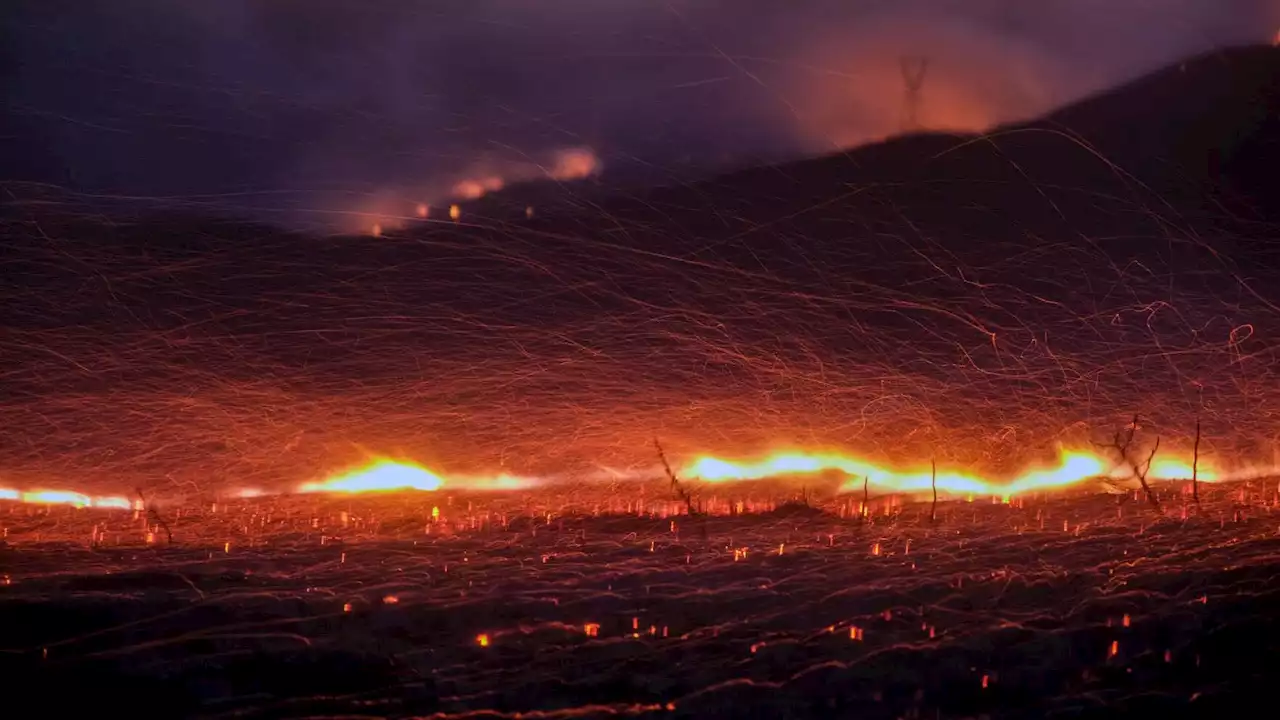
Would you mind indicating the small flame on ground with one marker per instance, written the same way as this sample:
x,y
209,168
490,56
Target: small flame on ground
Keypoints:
x,y
381,475
65,497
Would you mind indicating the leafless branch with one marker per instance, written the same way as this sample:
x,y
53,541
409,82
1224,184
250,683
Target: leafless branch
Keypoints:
x,y
1195,466
675,482
1121,444
933,480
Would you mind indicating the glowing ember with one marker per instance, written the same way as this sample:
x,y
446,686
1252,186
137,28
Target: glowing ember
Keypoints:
x,y
382,475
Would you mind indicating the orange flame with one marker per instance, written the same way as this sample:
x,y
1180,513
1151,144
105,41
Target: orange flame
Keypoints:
x,y
387,475
1073,468
381,475
65,497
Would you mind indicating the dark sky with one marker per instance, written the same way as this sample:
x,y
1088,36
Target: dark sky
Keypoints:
x,y
269,103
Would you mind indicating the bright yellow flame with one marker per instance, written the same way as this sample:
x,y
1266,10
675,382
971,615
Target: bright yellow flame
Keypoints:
x,y
1073,468
65,497
381,475
57,497
455,212
1178,470
116,502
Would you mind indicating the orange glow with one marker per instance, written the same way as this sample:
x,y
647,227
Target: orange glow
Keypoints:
x,y
381,475
477,188
574,163
1073,468
454,212
491,174
482,640
65,497
387,475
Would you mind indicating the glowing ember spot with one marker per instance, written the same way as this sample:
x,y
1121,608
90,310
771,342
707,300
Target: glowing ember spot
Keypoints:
x,y
455,212
482,640
390,600
591,629
423,210
376,230
382,475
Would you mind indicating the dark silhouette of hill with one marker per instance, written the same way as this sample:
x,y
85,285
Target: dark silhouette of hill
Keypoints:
x,y
1194,142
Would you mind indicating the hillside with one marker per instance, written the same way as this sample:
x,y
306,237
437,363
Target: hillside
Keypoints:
x,y
1195,140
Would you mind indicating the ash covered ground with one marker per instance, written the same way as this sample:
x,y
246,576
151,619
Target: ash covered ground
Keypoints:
x,y
609,603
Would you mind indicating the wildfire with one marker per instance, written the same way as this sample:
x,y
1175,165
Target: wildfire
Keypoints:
x,y
65,497
1073,468
381,475
387,475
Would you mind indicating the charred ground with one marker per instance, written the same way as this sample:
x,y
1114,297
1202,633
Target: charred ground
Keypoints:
x,y
1048,607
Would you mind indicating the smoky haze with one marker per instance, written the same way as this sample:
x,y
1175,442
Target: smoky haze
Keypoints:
x,y
335,107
